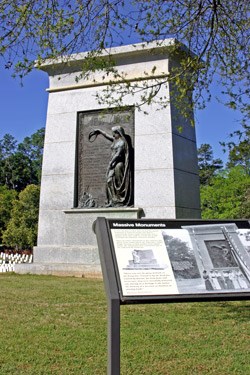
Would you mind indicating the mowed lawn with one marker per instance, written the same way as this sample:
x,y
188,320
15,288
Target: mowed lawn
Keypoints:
x,y
54,325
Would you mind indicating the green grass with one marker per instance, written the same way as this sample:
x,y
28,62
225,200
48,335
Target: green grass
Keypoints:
x,y
52,325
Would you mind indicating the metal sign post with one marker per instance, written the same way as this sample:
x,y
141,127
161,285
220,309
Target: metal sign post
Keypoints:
x,y
111,287
113,337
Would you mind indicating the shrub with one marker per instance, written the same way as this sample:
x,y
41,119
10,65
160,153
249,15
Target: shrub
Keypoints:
x,y
227,196
21,231
7,198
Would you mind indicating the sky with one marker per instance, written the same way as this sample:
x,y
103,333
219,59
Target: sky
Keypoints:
x,y
23,111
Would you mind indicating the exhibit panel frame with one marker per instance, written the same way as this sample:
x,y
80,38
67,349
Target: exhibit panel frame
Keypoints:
x,y
152,261
143,275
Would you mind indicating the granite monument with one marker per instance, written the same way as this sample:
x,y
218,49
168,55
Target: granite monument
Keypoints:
x,y
107,161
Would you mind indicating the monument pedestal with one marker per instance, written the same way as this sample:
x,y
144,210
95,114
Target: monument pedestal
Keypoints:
x,y
78,253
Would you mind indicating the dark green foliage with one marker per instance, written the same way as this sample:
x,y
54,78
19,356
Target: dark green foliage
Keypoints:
x,y
20,165
21,231
32,148
240,155
208,166
8,147
239,148
20,171
17,171
7,198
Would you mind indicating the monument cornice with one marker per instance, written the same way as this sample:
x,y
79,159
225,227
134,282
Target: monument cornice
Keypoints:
x,y
130,63
117,52
107,82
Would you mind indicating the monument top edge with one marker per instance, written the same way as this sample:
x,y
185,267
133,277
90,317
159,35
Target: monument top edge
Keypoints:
x,y
118,52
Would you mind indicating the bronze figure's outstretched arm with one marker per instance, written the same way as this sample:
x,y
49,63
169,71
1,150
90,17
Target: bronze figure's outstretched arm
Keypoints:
x,y
99,131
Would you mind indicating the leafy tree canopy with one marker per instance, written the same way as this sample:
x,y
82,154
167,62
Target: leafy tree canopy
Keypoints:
x,y
216,31
21,231
21,164
32,148
239,148
7,146
227,196
7,198
207,164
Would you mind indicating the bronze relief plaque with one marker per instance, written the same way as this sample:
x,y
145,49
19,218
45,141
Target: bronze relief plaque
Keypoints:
x,y
105,158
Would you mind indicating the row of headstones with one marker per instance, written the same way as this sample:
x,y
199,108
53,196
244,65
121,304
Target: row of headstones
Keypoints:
x,y
8,261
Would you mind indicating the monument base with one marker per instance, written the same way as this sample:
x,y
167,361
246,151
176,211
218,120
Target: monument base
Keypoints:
x,y
60,269
79,261
78,254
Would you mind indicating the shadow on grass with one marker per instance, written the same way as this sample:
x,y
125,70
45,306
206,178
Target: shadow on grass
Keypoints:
x,y
239,311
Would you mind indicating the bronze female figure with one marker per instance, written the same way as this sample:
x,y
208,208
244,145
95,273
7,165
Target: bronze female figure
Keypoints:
x,y
119,189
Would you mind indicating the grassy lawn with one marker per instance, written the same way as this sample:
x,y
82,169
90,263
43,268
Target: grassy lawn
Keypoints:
x,y
52,325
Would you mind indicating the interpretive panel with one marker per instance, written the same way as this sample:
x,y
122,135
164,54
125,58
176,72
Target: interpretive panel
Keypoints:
x,y
154,258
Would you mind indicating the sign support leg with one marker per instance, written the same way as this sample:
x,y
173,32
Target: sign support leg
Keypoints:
x,y
114,337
